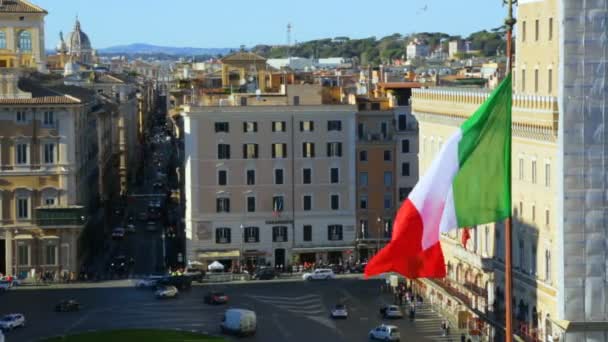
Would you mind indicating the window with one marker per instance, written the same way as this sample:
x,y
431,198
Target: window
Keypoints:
x,y
363,202
2,40
388,156
405,169
223,151
222,177
402,124
536,30
251,204
21,116
21,154
279,234
250,151
334,175
222,127
522,264
23,255
547,175
363,179
523,31
250,127
388,201
384,129
50,254
279,150
548,266
405,146
523,80
306,176
23,208
534,172
49,201
49,153
307,233
251,234
550,28
334,149
278,203
308,150
388,178
486,242
334,232
335,202
550,81
547,217
307,126
334,125
364,225
279,126
363,156
278,177
49,118
222,205
388,228
533,259
222,235
403,193
536,80
25,41
521,169
361,130
307,203
250,177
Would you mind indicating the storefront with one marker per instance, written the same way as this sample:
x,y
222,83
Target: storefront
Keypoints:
x,y
228,258
324,255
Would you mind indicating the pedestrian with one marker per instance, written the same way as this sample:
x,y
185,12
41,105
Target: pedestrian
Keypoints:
x,y
463,338
443,328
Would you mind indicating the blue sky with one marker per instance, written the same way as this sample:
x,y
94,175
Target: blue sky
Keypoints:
x,y
213,23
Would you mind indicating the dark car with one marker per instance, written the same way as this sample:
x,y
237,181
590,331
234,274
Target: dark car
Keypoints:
x,y
121,264
67,306
216,298
359,268
265,274
180,282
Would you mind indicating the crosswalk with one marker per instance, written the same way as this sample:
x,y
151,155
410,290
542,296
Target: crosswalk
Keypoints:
x,y
307,306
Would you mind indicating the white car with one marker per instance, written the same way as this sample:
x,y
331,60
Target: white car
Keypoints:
x,y
339,311
166,292
391,311
150,281
12,321
385,333
320,273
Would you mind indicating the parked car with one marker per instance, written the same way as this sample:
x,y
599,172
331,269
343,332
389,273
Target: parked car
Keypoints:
x,y
151,226
5,285
339,311
359,268
166,291
239,322
391,311
131,228
67,306
181,282
158,185
216,298
320,273
148,282
265,274
118,233
120,264
385,333
12,321
142,216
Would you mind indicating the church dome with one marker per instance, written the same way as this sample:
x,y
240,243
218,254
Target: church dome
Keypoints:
x,y
78,41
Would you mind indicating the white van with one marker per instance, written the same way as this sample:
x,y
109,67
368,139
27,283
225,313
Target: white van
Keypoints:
x,y
239,322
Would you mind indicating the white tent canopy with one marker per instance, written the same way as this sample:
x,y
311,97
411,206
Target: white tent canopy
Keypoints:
x,y
215,266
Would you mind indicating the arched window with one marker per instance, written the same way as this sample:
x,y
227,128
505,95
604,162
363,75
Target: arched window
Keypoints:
x,y
25,41
2,40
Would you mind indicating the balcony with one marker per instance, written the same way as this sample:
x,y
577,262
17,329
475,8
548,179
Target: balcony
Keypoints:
x,y
60,217
376,138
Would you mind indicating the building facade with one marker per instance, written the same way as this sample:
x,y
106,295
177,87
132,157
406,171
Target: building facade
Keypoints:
x,y
22,35
270,184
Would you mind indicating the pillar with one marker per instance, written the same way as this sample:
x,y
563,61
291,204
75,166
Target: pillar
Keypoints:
x,y
8,235
225,75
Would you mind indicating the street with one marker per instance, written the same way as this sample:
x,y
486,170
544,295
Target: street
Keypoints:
x,y
286,311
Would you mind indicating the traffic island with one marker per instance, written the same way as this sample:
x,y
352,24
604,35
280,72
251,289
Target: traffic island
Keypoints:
x,y
150,335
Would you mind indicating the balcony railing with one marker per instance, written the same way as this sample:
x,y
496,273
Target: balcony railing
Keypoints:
x,y
376,137
54,216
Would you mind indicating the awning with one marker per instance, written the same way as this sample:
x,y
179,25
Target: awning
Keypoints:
x,y
50,237
323,249
254,253
219,255
23,237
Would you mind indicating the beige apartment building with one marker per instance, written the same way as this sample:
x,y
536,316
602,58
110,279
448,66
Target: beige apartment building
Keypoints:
x,y
270,180
22,35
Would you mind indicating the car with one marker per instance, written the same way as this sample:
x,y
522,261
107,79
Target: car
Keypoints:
x,y
385,333
148,282
166,291
142,216
182,282
265,274
120,264
158,185
319,273
239,322
67,306
12,321
391,311
5,285
216,298
151,226
119,211
118,233
339,311
131,228
358,268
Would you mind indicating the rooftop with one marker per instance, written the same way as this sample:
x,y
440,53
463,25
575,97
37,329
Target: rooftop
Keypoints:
x,y
20,6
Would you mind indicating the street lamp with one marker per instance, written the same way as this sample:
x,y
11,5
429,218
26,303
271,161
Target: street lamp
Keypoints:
x,y
379,221
162,237
241,257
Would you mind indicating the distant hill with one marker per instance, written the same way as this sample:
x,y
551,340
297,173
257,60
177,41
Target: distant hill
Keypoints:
x,y
145,49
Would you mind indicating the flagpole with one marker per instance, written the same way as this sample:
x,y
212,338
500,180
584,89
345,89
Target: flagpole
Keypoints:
x,y
509,22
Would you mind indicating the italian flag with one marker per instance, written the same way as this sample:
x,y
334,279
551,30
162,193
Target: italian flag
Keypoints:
x,y
468,184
